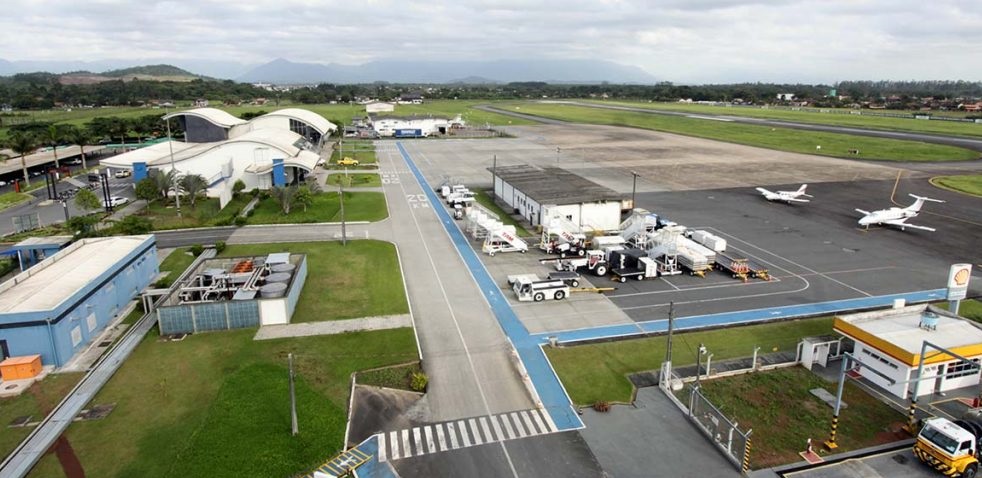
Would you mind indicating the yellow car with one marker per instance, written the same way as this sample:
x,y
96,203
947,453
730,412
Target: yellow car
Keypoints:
x,y
348,162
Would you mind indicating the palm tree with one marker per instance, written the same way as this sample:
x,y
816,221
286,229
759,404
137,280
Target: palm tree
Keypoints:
x,y
285,196
79,136
53,135
22,142
192,184
164,182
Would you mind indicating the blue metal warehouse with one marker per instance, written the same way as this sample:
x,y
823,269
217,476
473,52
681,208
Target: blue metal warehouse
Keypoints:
x,y
58,306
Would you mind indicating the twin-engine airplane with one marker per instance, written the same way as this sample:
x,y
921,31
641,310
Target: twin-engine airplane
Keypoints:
x,y
896,216
786,196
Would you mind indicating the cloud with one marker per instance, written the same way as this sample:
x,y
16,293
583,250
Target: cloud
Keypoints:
x,y
678,40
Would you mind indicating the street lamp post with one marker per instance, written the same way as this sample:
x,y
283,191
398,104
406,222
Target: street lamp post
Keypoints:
x,y
634,188
170,144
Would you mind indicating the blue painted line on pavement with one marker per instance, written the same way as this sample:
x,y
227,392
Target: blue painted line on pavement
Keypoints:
x,y
545,381
742,317
372,468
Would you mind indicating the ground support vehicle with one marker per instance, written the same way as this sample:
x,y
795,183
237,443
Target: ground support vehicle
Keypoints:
x,y
951,447
736,267
528,287
560,236
503,239
632,263
572,278
593,260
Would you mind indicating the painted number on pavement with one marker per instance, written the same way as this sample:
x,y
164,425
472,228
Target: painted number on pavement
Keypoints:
x,y
417,200
390,178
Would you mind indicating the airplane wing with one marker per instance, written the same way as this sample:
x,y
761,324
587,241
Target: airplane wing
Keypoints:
x,y
865,213
901,223
768,194
796,200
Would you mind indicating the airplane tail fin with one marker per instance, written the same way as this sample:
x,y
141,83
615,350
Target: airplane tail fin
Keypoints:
x,y
801,190
863,212
919,201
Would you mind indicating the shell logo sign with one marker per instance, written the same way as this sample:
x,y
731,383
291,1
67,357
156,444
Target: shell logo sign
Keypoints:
x,y
958,278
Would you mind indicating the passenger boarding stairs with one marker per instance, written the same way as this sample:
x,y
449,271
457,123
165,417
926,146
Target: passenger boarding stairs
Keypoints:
x,y
662,247
637,226
497,236
564,231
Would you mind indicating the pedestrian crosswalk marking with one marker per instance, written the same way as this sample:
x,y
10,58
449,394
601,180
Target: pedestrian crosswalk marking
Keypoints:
x,y
463,433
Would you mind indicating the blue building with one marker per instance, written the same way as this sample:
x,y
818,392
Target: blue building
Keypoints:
x,y
57,307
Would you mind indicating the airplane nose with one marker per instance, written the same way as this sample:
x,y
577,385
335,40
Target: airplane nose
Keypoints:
x,y
863,221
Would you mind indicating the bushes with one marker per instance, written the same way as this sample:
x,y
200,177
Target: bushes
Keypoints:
x,y
219,247
418,381
196,250
133,225
241,221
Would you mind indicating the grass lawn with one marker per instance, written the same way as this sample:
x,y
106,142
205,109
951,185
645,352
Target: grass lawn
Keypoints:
x,y
343,282
966,183
398,377
363,155
37,402
783,414
11,198
597,372
217,404
484,198
970,309
358,206
355,180
175,263
206,212
781,139
829,116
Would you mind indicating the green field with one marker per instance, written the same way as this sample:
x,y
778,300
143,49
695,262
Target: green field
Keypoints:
x,y
174,264
966,183
206,213
355,180
363,155
826,116
358,206
11,198
782,139
217,405
36,402
783,414
598,372
361,279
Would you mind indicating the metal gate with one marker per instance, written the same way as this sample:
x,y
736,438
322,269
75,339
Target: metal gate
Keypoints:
x,y
734,443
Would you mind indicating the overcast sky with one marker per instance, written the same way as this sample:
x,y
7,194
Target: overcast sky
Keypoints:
x,y
685,41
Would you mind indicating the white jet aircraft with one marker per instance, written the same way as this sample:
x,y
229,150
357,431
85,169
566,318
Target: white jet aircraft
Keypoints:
x,y
786,196
896,216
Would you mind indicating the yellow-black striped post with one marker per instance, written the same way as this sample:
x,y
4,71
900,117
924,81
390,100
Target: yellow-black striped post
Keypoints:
x,y
911,420
830,443
746,457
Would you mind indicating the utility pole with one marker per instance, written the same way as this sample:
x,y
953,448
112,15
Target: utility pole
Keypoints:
x,y
344,233
293,401
170,144
634,189
667,365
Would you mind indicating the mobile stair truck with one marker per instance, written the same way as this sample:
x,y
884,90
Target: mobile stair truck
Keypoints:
x,y
529,287
503,238
951,447
561,236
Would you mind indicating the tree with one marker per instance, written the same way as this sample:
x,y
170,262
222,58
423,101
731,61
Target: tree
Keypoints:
x,y
192,184
165,182
146,189
238,187
79,136
134,225
284,196
22,143
52,136
84,226
313,185
303,196
86,200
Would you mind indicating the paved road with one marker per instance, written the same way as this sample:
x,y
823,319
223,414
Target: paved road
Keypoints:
x,y
53,212
537,119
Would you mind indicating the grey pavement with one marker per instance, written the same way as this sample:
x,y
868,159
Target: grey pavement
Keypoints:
x,y
652,439
52,212
331,327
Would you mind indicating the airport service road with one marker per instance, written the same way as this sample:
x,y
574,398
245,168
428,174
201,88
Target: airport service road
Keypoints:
x,y
897,463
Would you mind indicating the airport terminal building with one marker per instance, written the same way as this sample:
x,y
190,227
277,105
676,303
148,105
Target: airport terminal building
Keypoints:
x,y
59,306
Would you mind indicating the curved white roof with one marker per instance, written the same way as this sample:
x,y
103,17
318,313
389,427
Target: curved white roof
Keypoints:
x,y
315,120
287,142
214,115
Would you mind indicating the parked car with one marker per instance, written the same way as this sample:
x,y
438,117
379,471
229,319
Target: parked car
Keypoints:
x,y
115,201
347,162
123,173
75,162
2,183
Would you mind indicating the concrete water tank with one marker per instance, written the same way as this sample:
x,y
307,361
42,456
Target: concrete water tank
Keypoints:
x,y
278,277
288,268
273,290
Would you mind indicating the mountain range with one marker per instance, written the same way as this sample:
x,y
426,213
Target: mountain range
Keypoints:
x,y
282,71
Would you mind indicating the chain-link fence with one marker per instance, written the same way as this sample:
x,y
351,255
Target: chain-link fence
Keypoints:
x,y
731,440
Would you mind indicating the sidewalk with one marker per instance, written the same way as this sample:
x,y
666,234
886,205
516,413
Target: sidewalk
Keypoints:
x,y
331,327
